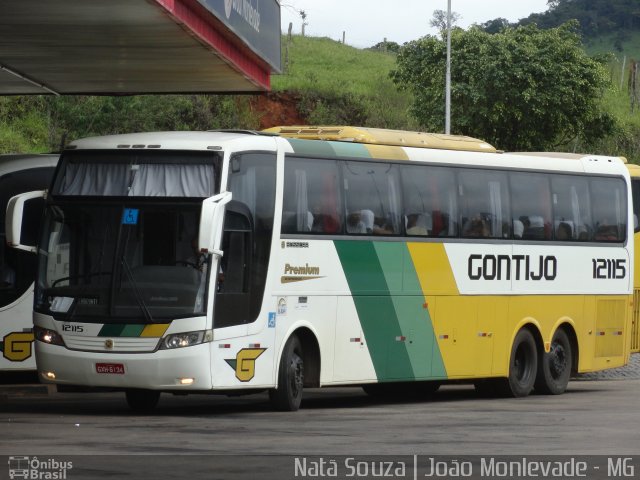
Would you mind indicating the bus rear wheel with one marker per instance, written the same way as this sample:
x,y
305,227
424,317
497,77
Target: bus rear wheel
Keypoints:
x,y
554,368
288,395
523,365
142,401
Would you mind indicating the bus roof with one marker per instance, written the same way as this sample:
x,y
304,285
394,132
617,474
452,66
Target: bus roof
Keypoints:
x,y
566,155
13,162
379,136
634,170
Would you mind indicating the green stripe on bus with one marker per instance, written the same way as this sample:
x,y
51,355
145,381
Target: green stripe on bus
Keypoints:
x,y
391,308
132,330
111,330
348,149
409,303
119,330
306,147
375,309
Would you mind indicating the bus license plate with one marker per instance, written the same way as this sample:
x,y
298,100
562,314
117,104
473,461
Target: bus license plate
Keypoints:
x,y
110,368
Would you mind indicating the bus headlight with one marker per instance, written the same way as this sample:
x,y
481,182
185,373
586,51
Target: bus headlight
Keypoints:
x,y
186,339
45,335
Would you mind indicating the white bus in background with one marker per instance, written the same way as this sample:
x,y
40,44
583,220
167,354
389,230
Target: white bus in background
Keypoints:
x,y
19,174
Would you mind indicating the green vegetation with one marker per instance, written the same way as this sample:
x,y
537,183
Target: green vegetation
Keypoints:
x,y
340,84
520,89
332,83
45,123
596,17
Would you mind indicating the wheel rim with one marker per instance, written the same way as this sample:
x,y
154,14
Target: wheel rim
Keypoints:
x,y
296,375
557,360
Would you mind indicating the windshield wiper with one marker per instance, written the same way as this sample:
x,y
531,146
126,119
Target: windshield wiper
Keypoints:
x,y
136,292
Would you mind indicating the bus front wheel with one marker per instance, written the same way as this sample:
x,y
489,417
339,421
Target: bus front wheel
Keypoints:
x,y
142,401
288,394
554,368
523,365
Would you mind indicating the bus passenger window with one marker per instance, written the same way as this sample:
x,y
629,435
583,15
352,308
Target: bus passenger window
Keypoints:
x,y
484,204
572,207
371,197
530,206
608,200
311,202
429,200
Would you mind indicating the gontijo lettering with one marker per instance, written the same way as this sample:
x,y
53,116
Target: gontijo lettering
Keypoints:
x,y
522,267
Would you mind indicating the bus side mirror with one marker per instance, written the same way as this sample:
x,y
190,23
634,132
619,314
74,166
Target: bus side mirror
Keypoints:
x,y
211,219
15,218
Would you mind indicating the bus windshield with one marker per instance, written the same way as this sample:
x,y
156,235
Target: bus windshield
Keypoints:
x,y
135,262
127,252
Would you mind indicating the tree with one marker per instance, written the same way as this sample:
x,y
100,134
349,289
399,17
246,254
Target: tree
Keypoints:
x,y
387,46
496,25
520,89
303,16
439,20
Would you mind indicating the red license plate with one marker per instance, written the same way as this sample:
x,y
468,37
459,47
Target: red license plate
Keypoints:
x,y
110,368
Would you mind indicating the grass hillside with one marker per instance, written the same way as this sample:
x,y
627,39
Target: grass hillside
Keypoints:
x,y
324,82
341,84
337,83
620,44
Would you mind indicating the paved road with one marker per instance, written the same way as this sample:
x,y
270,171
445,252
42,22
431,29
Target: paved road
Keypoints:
x,y
629,371
592,418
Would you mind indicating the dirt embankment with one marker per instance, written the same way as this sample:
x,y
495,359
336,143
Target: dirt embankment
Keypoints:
x,y
275,109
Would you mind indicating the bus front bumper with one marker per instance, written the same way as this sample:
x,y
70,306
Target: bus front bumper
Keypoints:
x,y
187,368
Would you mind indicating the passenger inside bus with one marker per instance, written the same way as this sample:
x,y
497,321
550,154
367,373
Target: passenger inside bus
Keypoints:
x,y
382,227
477,227
360,221
416,224
324,221
563,232
518,228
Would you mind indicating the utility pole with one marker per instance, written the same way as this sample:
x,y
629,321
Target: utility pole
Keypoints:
x,y
447,107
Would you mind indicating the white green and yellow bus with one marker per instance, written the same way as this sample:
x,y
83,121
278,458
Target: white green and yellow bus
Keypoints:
x,y
634,171
19,173
234,262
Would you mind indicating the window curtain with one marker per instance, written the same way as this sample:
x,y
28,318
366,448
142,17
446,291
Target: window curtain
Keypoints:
x,y
302,202
496,208
160,180
146,180
394,205
95,179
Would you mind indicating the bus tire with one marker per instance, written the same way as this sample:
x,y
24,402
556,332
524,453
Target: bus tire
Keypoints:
x,y
523,365
142,401
554,368
288,394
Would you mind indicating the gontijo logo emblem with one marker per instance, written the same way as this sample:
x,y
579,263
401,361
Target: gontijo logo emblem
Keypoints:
x,y
16,346
245,363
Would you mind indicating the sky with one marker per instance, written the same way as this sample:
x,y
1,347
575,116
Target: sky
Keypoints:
x,y
367,22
